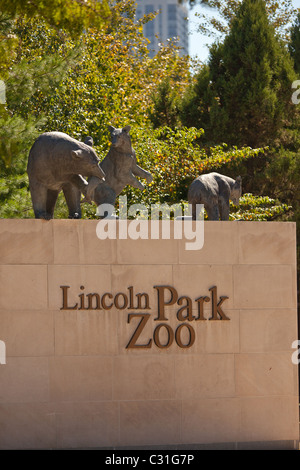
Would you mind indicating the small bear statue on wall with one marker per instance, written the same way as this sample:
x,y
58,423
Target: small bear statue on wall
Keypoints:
x,y
214,191
120,168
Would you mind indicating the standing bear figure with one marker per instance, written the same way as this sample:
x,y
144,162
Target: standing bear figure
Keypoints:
x,y
120,168
214,191
56,162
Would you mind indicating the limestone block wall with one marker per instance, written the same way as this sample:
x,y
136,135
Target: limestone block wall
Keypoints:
x,y
91,364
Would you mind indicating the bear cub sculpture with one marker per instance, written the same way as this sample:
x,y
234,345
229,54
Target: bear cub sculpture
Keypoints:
x,y
120,168
58,162
214,191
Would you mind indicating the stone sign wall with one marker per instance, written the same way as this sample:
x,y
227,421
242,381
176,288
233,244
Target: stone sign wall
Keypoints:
x,y
140,343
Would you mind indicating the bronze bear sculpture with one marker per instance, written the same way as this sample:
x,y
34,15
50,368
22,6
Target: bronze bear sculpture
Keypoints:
x,y
120,168
57,162
214,191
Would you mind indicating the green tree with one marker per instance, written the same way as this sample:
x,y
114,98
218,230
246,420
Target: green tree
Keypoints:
x,y
165,105
294,44
194,108
250,77
72,15
24,78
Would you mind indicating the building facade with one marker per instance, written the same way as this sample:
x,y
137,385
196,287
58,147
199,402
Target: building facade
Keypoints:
x,y
170,23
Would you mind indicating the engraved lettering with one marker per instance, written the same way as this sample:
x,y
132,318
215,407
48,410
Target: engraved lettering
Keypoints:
x,y
90,302
188,307
123,304
144,319
162,301
156,337
200,302
192,336
103,303
65,305
216,306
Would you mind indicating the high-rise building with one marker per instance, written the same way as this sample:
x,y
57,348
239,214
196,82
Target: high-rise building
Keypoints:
x,y
171,22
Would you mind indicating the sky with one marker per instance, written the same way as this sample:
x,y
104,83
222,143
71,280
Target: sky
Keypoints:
x,y
197,41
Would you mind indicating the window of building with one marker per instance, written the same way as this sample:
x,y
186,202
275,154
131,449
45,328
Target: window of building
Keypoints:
x,y
149,9
172,12
139,12
172,28
149,29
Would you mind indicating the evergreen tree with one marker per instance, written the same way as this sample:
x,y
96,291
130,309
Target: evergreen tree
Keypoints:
x,y
294,45
164,111
195,105
251,75
258,77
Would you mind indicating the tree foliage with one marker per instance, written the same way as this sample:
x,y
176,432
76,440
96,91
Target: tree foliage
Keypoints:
x,y
72,15
294,44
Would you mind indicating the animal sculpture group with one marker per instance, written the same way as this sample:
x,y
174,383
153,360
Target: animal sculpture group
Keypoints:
x,y
57,162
